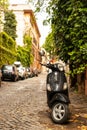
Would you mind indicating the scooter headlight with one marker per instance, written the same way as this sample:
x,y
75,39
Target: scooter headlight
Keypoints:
x,y
65,86
61,68
48,87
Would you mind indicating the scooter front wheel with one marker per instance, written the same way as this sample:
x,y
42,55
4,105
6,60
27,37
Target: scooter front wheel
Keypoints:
x,y
60,113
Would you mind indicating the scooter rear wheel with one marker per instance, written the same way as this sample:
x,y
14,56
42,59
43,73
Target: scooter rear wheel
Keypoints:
x,y
60,113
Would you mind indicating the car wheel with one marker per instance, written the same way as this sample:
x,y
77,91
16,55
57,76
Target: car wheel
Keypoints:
x,y
2,78
15,79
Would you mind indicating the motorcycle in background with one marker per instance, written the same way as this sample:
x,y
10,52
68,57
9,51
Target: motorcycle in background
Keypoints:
x,y
57,93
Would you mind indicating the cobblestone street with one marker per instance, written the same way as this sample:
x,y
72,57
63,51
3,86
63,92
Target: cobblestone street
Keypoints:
x,y
23,107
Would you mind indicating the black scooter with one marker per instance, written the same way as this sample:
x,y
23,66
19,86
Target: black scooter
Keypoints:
x,y
57,93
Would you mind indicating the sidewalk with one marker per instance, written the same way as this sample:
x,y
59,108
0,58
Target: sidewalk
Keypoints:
x,y
78,108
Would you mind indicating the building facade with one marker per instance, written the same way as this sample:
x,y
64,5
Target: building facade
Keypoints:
x,y
26,23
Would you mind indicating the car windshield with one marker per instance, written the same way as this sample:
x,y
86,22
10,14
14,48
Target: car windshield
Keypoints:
x,y
7,67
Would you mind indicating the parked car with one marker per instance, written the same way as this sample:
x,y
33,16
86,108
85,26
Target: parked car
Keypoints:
x,y
29,72
9,72
22,72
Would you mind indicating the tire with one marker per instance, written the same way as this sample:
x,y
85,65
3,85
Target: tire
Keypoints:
x,y
15,79
2,78
60,113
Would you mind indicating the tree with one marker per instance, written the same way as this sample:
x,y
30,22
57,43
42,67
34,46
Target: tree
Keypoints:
x,y
69,29
10,24
3,7
69,23
24,53
49,45
3,4
7,44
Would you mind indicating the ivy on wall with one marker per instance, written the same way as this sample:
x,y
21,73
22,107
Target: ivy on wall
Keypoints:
x,y
7,49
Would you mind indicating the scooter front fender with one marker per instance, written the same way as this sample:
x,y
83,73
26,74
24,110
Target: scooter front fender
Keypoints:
x,y
59,98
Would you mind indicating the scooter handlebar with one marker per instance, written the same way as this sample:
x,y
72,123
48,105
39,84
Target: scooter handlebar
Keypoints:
x,y
50,66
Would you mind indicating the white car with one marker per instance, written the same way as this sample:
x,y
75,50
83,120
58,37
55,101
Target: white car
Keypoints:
x,y
22,72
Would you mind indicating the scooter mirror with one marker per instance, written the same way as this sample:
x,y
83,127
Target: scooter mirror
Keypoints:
x,y
61,67
42,52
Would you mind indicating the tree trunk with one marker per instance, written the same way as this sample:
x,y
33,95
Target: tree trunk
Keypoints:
x,y
0,81
79,83
86,83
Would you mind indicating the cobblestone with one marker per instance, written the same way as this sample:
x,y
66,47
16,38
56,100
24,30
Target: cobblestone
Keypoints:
x,y
23,107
